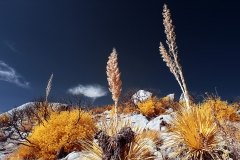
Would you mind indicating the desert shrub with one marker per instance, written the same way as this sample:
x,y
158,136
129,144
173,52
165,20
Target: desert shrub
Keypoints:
x,y
151,107
26,126
222,110
108,107
165,101
97,110
129,110
61,130
194,133
5,120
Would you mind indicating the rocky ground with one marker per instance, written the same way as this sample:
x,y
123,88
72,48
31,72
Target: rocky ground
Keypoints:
x,y
8,146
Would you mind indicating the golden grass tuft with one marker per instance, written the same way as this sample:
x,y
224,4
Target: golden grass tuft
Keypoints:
x,y
193,133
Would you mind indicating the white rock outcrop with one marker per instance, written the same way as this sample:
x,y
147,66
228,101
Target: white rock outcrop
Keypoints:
x,y
141,96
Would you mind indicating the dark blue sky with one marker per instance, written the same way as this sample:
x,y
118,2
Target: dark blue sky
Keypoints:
x,y
73,39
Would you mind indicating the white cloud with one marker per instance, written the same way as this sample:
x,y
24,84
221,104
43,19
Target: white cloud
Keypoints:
x,y
10,75
91,91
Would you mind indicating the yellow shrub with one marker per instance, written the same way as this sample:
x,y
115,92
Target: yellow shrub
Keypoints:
x,y
222,110
129,110
165,102
61,130
151,107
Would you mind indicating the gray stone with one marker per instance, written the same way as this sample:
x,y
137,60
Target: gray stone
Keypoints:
x,y
172,97
159,123
141,96
72,156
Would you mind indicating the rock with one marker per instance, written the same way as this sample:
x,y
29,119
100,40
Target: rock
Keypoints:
x,y
191,99
139,120
72,156
9,146
172,97
135,113
238,112
159,123
107,112
3,157
169,110
141,96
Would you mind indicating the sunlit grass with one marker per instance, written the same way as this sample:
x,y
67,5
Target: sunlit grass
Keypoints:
x,y
193,133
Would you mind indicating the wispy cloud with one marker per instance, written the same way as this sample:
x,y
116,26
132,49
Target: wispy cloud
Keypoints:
x,y
91,91
10,75
11,46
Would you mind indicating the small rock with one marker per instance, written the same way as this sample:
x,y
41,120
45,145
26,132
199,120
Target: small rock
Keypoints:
x,y
141,96
135,113
169,110
73,156
9,146
172,97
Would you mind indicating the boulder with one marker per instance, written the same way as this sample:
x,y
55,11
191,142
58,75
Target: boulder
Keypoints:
x,y
159,123
141,96
172,97
191,99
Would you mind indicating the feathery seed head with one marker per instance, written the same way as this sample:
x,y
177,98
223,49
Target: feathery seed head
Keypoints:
x,y
114,76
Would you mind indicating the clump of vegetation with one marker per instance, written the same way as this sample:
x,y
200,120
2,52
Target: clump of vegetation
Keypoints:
x,y
151,107
223,111
98,110
142,146
194,133
129,110
171,57
62,131
5,120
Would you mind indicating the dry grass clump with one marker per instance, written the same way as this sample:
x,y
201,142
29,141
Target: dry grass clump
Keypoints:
x,y
142,146
61,130
194,134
